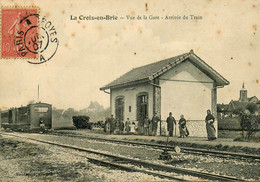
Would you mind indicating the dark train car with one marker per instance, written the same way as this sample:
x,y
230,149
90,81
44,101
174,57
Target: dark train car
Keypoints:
x,y
27,117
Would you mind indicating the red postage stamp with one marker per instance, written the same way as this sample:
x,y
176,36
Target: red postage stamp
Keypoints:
x,y
19,33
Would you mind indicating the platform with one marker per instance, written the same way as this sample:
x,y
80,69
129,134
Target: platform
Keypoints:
x,y
220,143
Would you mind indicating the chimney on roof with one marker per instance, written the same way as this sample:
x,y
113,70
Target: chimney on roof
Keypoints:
x,y
191,51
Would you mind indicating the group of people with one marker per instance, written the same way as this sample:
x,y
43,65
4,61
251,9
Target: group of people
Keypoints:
x,y
150,127
210,119
171,122
115,126
145,127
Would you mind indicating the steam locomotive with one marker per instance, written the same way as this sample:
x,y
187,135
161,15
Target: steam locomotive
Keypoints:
x,y
28,117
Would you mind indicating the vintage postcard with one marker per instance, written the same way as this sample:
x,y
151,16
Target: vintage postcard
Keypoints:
x,y
129,90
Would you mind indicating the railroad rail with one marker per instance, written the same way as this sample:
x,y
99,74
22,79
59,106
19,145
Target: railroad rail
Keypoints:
x,y
150,165
190,150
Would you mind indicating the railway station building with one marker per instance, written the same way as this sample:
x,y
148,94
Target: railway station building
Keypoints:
x,y
184,84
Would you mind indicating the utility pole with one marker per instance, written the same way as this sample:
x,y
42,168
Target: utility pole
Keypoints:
x,y
38,93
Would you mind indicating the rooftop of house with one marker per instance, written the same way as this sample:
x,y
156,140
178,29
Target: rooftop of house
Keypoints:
x,y
91,105
237,104
153,70
251,98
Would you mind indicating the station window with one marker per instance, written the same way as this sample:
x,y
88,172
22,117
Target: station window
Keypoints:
x,y
142,106
130,108
119,110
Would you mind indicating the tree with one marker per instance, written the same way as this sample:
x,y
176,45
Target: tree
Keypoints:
x,y
238,110
69,113
249,124
252,107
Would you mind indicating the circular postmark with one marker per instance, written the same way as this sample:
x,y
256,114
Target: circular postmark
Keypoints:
x,y
35,41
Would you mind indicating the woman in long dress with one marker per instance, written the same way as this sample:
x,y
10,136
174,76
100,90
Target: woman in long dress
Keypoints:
x,y
211,131
182,127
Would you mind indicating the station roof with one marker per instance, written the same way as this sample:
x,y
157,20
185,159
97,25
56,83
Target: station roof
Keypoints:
x,y
154,70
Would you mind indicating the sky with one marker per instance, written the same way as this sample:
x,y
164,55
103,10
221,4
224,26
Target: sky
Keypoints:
x,y
92,53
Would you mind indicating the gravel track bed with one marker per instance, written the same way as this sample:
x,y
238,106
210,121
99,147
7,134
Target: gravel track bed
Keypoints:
x,y
31,161
244,169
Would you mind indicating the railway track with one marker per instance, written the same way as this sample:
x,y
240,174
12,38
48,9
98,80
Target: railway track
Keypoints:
x,y
120,162
189,150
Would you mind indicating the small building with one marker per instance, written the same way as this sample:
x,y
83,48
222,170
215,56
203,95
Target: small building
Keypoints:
x,y
184,84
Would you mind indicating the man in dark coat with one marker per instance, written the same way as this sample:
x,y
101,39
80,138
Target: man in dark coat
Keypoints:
x,y
171,122
155,121
121,127
112,123
146,125
106,125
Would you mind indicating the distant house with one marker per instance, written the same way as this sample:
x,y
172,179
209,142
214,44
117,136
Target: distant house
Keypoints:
x,y
93,107
184,84
253,99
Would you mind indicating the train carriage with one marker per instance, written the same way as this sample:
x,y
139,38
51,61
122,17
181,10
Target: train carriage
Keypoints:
x,y
27,117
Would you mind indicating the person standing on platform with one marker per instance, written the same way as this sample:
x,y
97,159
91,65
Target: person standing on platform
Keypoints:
x,y
112,123
211,131
121,127
117,129
171,123
127,126
182,127
146,125
132,128
42,126
155,121
141,126
106,125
